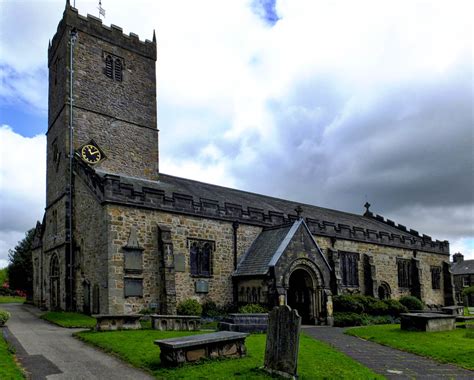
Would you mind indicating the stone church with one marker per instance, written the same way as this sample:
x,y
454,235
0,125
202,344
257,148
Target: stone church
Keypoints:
x,y
118,236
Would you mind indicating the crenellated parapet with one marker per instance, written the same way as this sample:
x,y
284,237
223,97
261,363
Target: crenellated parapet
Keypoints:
x,y
149,195
400,227
93,26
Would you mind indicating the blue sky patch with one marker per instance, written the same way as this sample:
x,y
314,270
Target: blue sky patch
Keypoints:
x,y
266,10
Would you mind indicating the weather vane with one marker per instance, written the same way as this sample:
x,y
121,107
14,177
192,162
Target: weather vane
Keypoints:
x,y
101,10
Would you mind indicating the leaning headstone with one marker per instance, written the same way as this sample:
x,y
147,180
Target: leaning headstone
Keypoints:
x,y
283,335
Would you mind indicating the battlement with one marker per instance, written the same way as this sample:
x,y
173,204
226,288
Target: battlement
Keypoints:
x,y
112,189
400,227
93,26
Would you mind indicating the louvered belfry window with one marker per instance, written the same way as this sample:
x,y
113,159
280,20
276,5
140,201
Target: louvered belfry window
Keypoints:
x,y
113,67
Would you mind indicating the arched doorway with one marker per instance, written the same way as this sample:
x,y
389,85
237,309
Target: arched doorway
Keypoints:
x,y
384,291
300,295
54,283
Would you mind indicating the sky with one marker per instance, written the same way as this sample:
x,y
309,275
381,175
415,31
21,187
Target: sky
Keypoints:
x,y
332,103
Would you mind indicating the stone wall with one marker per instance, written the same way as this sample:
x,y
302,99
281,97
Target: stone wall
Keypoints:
x,y
91,264
182,228
385,261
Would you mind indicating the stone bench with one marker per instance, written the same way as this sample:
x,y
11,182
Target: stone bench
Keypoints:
x,y
427,322
222,344
248,323
175,322
109,322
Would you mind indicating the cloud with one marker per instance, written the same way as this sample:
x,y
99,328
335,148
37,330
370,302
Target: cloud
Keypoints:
x,y
332,103
22,185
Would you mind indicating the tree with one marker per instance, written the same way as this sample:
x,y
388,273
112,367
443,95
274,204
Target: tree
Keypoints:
x,y
20,270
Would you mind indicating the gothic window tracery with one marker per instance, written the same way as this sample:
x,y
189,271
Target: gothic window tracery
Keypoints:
x,y
436,277
200,257
404,273
113,67
349,268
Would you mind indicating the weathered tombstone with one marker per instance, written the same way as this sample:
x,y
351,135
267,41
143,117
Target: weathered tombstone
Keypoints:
x,y
283,335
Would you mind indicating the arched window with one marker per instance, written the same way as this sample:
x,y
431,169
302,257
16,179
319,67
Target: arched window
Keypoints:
x,y
54,267
118,69
200,257
109,67
113,67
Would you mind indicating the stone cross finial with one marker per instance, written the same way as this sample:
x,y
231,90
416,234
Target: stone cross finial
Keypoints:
x,y
299,211
367,205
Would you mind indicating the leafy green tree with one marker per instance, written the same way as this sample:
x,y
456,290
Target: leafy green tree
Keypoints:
x,y
3,276
20,270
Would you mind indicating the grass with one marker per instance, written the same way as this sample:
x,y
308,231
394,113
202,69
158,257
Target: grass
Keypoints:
x,y
12,299
456,346
8,367
316,360
69,319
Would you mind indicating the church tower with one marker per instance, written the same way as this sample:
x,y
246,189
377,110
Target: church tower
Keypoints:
x,y
103,84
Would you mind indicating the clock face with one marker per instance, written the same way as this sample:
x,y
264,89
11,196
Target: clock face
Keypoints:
x,y
91,154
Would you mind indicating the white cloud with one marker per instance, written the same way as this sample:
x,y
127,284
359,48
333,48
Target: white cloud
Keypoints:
x,y
316,108
22,185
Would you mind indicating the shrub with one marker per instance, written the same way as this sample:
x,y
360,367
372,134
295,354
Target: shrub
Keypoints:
x,y
468,291
4,316
210,309
344,319
146,311
394,308
347,304
189,307
411,303
252,308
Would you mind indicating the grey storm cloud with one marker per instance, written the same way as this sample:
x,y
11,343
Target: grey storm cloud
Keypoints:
x,y
408,148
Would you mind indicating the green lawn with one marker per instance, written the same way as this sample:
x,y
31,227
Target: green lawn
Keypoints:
x,y
316,360
456,347
8,367
69,319
12,299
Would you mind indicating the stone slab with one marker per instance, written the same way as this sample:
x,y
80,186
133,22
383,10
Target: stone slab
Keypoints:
x,y
175,322
257,322
202,339
176,351
111,322
427,322
453,310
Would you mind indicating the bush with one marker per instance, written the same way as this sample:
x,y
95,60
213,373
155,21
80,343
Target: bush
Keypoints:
x,y
210,309
468,291
411,303
252,308
189,307
4,316
347,304
394,308
146,311
347,319
354,319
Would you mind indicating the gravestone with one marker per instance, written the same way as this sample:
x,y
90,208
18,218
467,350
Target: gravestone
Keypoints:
x,y
283,335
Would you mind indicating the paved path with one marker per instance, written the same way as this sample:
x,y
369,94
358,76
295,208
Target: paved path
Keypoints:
x,y
389,362
50,352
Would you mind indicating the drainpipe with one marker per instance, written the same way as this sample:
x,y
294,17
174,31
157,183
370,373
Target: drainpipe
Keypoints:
x,y
235,227
72,42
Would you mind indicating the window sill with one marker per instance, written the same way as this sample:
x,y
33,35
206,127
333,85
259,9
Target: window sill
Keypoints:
x,y
201,276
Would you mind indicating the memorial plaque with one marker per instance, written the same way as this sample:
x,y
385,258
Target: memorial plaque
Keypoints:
x,y
179,265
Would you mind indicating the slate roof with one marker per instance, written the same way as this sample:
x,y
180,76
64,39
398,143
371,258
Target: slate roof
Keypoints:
x,y
171,184
463,267
258,257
